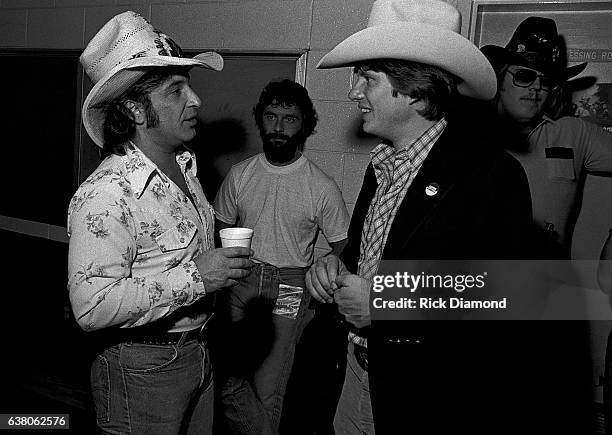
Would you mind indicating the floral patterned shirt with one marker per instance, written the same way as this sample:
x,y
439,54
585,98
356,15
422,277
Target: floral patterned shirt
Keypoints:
x,y
133,237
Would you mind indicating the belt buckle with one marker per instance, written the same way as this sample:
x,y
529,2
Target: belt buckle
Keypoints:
x,y
202,329
205,324
361,355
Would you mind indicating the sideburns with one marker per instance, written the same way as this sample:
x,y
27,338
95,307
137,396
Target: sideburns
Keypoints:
x,y
152,117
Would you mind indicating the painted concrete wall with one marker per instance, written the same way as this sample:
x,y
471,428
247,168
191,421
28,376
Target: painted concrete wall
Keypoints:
x,y
314,25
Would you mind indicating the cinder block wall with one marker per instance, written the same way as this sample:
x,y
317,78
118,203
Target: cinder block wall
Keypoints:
x,y
315,25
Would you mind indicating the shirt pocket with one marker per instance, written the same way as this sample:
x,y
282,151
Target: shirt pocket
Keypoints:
x,y
560,164
177,237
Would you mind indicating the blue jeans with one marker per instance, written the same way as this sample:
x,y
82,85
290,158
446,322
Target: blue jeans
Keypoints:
x,y
153,389
354,412
264,317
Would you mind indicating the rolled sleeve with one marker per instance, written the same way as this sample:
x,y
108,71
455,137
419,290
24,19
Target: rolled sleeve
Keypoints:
x,y
333,216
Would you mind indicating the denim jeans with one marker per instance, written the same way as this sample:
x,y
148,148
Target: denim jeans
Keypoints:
x,y
153,389
354,412
263,318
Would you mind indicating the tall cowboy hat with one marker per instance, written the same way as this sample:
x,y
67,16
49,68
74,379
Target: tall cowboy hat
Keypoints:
x,y
122,52
425,31
536,45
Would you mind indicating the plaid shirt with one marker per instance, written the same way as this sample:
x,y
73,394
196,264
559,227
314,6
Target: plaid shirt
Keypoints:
x,y
395,171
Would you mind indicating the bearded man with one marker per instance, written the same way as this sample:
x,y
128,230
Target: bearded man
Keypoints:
x,y
286,199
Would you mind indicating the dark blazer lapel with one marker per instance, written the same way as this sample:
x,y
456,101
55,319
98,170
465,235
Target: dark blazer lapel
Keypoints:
x,y
446,163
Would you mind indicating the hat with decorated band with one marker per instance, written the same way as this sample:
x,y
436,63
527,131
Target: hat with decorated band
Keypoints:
x,y
535,44
121,53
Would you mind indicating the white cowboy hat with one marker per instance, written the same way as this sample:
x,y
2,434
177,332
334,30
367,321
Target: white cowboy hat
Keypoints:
x,y
425,31
119,55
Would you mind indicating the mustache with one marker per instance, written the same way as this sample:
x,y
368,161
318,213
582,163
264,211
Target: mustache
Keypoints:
x,y
271,136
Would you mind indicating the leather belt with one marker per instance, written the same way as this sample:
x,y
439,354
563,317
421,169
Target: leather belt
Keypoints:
x,y
405,340
361,352
147,335
167,338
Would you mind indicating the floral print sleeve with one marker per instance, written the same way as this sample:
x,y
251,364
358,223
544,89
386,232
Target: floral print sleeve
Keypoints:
x,y
131,253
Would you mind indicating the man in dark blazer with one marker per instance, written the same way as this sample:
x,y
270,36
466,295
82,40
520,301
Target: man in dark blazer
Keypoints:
x,y
439,187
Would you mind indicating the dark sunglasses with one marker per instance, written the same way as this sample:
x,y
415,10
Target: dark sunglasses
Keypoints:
x,y
523,78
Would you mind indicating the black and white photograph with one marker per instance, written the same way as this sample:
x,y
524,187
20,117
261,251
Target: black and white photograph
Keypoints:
x,y
307,217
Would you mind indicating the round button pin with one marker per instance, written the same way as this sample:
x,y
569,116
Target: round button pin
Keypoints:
x,y
432,189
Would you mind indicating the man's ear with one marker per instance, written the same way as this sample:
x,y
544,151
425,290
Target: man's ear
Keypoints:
x,y
417,103
136,111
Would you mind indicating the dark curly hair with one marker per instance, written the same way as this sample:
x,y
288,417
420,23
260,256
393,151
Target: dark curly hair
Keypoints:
x,y
287,93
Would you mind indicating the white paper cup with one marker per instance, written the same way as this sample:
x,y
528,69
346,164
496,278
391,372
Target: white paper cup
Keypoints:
x,y
236,236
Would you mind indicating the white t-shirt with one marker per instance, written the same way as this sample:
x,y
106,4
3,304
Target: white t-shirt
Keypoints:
x,y
285,206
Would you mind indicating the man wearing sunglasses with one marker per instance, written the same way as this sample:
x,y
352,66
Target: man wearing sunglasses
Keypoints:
x,y
556,151
525,91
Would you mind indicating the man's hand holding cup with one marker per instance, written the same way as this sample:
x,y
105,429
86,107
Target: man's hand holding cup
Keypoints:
x,y
223,267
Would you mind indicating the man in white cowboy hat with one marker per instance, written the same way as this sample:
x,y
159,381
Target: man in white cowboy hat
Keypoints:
x,y
556,151
438,187
142,268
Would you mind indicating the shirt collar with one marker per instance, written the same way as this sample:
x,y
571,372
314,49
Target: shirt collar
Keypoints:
x,y
384,153
140,168
545,119
187,161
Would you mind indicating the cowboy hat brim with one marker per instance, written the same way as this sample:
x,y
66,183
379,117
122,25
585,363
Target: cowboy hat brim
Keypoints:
x,y
500,56
422,43
124,75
